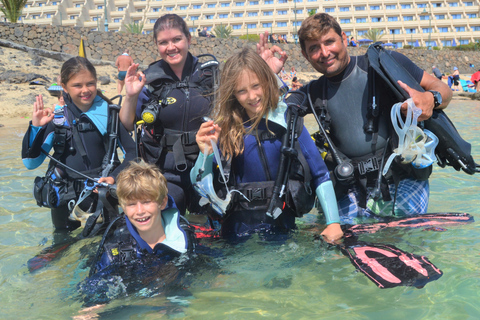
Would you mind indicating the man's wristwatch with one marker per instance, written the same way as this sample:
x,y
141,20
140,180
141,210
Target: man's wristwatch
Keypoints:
x,y
437,98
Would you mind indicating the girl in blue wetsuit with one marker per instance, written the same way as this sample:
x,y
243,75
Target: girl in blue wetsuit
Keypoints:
x,y
78,133
249,103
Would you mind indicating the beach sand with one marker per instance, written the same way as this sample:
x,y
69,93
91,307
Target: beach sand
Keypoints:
x,y
17,99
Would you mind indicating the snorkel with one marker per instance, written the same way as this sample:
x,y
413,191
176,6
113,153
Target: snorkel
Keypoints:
x,y
415,146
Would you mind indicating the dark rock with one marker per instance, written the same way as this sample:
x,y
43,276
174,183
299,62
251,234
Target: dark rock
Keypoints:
x,y
104,80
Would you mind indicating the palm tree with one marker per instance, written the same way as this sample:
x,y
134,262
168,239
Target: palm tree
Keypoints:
x,y
222,31
12,9
373,34
134,27
312,12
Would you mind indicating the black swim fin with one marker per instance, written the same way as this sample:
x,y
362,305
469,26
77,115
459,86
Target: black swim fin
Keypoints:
x,y
452,150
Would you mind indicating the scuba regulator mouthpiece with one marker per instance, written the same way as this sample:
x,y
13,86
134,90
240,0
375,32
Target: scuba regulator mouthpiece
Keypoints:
x,y
150,112
344,172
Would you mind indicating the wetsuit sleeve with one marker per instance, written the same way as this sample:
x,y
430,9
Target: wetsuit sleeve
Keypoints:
x,y
412,68
35,140
199,164
128,146
320,177
143,98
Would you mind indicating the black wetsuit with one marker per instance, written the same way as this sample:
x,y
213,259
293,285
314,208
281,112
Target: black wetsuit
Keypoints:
x,y
183,114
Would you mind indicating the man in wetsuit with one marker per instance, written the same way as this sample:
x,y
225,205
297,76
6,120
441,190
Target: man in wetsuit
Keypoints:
x,y
123,62
342,94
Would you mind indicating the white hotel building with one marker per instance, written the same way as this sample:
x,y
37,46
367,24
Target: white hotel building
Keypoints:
x,y
418,23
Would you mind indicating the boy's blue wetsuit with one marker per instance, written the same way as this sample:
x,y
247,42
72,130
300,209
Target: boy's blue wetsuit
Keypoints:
x,y
169,142
79,141
125,245
261,165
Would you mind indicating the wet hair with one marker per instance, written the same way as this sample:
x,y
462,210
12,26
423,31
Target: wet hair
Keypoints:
x,y
228,112
170,21
141,181
316,26
73,66
294,79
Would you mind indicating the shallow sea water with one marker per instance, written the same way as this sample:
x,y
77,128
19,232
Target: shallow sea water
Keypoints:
x,y
299,278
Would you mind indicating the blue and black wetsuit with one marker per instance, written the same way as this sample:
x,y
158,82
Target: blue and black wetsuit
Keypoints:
x,y
170,140
345,99
79,141
259,163
126,246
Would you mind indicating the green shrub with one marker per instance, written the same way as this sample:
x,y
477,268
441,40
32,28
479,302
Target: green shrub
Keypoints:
x,y
251,37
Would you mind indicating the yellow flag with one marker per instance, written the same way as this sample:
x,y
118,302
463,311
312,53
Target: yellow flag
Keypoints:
x,y
81,50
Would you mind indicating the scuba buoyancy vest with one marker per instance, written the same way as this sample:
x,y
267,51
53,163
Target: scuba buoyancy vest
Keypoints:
x,y
452,150
120,247
156,136
297,195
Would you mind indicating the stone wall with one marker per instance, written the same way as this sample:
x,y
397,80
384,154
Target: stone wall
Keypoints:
x,y
108,45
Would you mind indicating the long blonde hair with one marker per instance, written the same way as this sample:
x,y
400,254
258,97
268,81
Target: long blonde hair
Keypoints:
x,y
228,113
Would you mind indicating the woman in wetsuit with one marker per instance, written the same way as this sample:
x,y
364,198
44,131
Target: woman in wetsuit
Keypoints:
x,y
250,107
172,91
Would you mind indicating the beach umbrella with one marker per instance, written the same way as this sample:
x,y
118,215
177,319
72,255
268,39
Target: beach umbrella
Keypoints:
x,y
434,43
365,41
81,49
454,43
388,44
417,44
475,77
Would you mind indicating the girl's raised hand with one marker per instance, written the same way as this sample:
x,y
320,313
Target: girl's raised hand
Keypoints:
x,y
134,80
208,131
41,114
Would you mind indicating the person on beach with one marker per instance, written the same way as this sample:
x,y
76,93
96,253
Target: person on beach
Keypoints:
x,y
77,131
122,63
171,96
437,73
340,96
248,125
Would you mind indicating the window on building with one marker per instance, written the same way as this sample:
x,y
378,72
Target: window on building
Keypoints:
x,y
348,33
406,6
236,26
155,9
362,32
440,17
136,21
327,10
95,19
153,20
251,26
443,29
223,16
73,17
391,7
194,18
437,5
209,16
54,3
77,5
281,24
169,8
360,8
342,21
211,5
197,6
99,7
298,23
253,14
121,8
268,2
282,1
421,5
225,4
453,4
267,25
36,16
468,4
475,28
311,0
408,18
253,3
472,15
116,20
410,31
361,20
376,19
268,13
426,30
238,15
49,15
344,9
239,4
300,11
460,29
183,7
456,16
395,31
424,17
374,7
282,12
392,19
463,41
